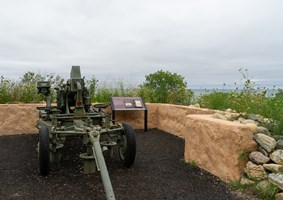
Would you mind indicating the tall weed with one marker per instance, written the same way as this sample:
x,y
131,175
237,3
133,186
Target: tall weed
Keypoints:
x,y
102,91
248,98
25,90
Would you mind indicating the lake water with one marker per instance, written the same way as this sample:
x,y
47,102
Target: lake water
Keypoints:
x,y
198,92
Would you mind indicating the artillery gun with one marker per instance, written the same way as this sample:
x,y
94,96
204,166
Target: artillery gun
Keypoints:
x,y
74,116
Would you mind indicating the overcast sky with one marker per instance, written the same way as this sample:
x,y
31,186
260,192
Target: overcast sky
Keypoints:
x,y
206,41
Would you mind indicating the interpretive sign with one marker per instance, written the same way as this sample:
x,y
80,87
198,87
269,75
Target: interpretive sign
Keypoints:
x,y
128,103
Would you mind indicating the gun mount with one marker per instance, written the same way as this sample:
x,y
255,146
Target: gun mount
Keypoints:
x,y
74,115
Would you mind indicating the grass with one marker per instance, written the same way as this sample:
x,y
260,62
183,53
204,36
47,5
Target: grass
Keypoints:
x,y
267,192
193,164
244,156
235,185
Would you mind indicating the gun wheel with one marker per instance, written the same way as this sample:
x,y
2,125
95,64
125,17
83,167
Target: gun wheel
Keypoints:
x,y
43,151
127,146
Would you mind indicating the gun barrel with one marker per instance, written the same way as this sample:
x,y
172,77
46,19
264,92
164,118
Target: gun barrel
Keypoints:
x,y
102,166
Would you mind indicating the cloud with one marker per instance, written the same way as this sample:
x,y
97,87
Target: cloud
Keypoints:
x,y
206,41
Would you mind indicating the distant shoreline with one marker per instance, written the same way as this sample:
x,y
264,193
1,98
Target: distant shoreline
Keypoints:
x,y
198,92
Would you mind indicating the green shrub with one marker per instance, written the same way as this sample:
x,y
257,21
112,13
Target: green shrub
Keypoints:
x,y
215,100
165,87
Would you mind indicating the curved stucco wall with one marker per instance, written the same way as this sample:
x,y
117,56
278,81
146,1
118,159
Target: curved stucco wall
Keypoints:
x,y
214,145
166,117
18,118
218,146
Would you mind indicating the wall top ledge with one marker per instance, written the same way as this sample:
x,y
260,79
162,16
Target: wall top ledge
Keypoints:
x,y
209,118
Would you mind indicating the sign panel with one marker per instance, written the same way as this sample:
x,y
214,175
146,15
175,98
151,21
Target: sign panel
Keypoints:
x,y
127,103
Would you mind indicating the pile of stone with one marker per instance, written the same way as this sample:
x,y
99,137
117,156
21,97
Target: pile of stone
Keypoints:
x,y
265,165
252,120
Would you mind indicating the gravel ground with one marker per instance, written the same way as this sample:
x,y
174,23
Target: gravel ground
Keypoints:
x,y
159,172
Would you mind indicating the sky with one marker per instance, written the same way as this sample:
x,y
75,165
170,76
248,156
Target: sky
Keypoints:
x,y
206,41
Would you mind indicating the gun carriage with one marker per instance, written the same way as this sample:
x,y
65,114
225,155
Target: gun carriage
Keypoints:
x,y
74,116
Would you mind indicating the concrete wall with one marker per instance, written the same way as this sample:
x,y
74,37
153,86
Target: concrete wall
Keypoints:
x,y
214,145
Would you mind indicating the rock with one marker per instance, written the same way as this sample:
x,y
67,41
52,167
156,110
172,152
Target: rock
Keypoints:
x,y
275,168
258,158
277,156
244,115
241,119
232,116
197,105
252,116
276,179
279,196
266,121
266,142
278,137
280,144
229,116
261,129
229,110
263,151
255,117
249,121
246,181
219,116
259,118
252,126
255,172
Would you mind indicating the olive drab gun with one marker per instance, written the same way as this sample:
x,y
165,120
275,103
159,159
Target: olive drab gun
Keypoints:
x,y
74,115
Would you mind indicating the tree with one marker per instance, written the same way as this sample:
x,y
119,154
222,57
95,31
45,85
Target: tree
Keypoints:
x,y
165,87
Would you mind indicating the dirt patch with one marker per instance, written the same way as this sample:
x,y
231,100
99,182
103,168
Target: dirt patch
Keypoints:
x,y
158,173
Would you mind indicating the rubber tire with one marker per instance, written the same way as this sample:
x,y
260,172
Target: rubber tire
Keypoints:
x,y
43,151
129,155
